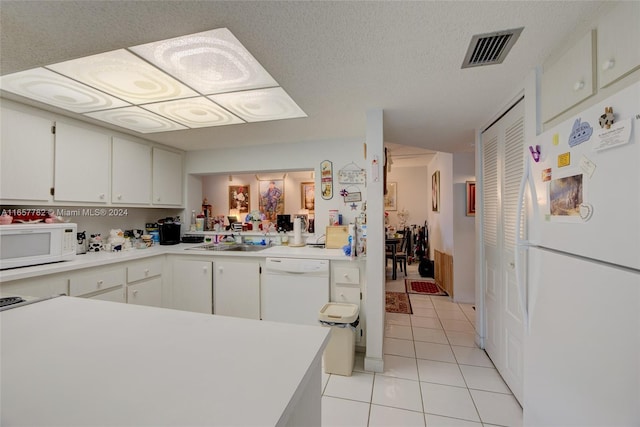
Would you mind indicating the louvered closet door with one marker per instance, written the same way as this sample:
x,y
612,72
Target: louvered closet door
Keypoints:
x,y
513,327
490,230
503,166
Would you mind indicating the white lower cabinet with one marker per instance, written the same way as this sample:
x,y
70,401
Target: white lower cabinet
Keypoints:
x,y
191,284
346,287
236,285
39,287
94,282
115,295
144,282
148,292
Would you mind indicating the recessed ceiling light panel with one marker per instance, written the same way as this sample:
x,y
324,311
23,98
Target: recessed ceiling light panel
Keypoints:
x,y
210,62
135,118
51,88
194,112
124,75
260,105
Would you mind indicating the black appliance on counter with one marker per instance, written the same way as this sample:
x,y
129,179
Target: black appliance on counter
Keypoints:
x,y
169,230
283,223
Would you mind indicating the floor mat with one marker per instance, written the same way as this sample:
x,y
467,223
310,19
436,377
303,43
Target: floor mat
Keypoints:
x,y
397,302
423,286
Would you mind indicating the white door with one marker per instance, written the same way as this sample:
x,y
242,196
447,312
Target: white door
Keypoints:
x,y
167,177
503,167
583,348
236,286
82,165
130,172
26,169
192,285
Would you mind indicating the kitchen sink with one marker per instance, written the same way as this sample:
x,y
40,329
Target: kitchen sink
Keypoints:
x,y
237,247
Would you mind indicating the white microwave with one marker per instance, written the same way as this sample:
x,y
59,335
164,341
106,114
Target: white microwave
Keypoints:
x,y
22,245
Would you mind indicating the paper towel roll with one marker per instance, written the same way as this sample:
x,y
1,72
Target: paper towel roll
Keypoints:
x,y
297,231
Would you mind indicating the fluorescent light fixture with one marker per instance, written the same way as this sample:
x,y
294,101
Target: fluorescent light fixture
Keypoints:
x,y
194,112
135,118
124,75
210,62
169,97
260,105
51,88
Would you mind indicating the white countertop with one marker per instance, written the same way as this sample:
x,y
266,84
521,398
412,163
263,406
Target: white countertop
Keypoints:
x,y
73,361
94,259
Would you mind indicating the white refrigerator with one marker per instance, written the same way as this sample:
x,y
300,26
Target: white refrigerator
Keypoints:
x,y
580,284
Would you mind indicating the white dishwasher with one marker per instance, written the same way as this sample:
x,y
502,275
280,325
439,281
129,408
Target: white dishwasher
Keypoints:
x,y
294,290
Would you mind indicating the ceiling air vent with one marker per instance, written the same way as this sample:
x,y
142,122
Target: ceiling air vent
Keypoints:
x,y
490,48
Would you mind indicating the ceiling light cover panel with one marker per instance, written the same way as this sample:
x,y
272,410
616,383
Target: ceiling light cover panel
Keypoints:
x,y
194,112
51,88
211,62
260,105
135,118
122,74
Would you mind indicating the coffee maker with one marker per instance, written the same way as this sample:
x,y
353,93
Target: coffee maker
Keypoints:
x,y
169,230
283,222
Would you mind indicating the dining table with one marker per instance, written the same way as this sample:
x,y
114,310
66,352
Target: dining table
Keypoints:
x,y
391,245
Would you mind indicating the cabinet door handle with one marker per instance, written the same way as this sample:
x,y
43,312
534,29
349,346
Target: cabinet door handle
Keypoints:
x,y
100,282
578,85
219,269
119,197
101,196
146,271
607,65
134,293
205,269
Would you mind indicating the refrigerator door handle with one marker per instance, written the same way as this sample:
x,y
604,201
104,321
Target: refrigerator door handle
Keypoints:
x,y
523,244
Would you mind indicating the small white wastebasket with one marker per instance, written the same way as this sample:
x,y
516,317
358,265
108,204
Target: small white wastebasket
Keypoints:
x,y
339,354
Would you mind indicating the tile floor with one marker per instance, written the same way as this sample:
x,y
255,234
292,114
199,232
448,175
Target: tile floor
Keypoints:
x,y
435,375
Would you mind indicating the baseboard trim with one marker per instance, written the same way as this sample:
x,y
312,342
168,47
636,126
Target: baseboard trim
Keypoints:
x,y
373,364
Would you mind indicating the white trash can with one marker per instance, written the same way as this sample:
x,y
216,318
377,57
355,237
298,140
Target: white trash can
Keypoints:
x,y
339,354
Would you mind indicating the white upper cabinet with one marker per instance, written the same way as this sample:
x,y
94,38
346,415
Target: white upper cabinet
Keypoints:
x,y
619,42
130,172
26,157
82,165
569,80
167,177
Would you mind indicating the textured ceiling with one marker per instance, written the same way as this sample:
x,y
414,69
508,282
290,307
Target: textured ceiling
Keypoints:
x,y
335,59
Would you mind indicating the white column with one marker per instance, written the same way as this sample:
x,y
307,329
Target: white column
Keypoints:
x,y
375,296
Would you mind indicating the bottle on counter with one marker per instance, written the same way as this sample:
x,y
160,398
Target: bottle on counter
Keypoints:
x,y
192,226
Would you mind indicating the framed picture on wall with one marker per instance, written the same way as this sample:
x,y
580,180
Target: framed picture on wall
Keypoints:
x,y
471,198
271,198
391,197
239,198
435,191
308,195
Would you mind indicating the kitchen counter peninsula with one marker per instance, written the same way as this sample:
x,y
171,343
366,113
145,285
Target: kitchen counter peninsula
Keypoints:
x,y
79,362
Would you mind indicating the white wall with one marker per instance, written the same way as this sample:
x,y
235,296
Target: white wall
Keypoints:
x,y
464,278
413,193
216,189
281,158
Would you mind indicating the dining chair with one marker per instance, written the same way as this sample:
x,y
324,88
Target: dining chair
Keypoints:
x,y
401,253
